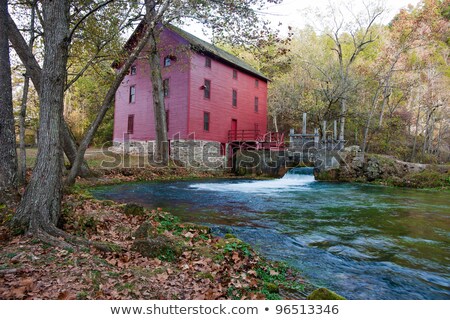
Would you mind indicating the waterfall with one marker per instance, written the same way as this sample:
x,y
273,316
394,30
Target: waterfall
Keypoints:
x,y
295,179
299,176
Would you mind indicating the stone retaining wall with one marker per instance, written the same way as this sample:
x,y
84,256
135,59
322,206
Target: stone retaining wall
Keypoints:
x,y
205,155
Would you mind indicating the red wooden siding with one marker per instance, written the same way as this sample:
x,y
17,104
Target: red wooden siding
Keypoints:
x,y
220,103
177,75
186,104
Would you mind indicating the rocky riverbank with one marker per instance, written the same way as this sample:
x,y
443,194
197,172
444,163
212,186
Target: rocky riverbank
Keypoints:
x,y
386,170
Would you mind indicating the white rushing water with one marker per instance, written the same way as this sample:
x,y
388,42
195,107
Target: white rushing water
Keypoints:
x,y
293,180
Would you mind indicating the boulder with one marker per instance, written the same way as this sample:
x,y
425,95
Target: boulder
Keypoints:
x,y
372,171
324,294
144,231
160,247
132,209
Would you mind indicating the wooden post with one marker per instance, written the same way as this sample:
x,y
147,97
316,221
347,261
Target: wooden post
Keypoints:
x,y
316,138
335,130
324,131
304,124
333,145
291,138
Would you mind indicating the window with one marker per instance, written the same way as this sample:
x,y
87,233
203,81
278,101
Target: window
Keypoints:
x,y
235,98
256,104
206,121
166,87
167,120
207,88
130,129
235,74
256,83
132,94
167,61
133,70
208,62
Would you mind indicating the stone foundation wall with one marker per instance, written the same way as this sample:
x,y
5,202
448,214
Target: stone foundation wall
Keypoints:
x,y
261,162
198,154
205,155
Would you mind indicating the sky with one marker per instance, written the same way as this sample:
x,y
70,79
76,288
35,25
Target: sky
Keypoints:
x,y
293,13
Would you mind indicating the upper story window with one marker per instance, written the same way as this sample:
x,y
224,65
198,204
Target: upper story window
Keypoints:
x,y
132,97
235,74
207,62
256,104
207,89
169,60
234,98
256,83
133,70
166,87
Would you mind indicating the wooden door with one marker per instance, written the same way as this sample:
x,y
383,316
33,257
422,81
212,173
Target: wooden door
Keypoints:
x,y
234,129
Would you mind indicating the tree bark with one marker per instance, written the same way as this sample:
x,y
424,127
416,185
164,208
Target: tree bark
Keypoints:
x,y
34,71
23,107
22,116
161,153
39,210
8,153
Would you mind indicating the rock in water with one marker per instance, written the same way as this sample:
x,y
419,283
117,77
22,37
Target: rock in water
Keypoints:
x,y
324,294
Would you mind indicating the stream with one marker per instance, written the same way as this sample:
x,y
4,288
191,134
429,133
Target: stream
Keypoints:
x,y
362,241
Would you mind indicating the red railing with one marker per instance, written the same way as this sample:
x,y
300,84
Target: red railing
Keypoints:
x,y
256,139
244,135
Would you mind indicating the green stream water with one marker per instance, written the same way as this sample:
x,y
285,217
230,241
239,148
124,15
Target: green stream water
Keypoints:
x,y
364,242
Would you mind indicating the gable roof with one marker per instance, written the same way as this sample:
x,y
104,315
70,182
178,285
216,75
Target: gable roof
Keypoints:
x,y
198,45
202,46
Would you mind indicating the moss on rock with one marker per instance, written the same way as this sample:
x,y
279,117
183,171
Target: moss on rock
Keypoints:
x,y
160,247
324,294
271,287
144,231
133,209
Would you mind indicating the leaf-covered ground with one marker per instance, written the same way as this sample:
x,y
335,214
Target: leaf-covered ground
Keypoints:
x,y
198,265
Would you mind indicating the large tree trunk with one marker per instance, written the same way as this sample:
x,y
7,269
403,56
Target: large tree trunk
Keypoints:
x,y
8,153
161,153
34,71
39,210
23,107
22,130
